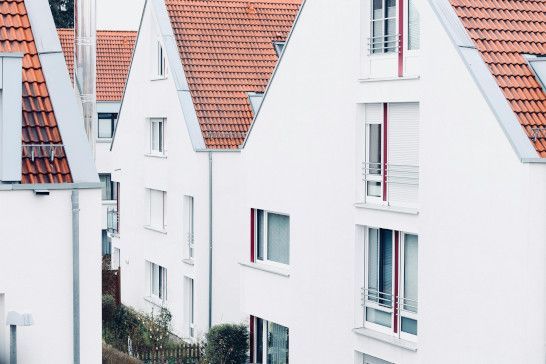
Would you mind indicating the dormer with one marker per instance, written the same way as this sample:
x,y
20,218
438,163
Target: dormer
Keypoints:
x,y
10,116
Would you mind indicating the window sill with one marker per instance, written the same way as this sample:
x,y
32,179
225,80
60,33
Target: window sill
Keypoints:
x,y
104,140
154,301
404,344
189,261
162,231
280,271
158,78
109,202
388,79
161,156
403,210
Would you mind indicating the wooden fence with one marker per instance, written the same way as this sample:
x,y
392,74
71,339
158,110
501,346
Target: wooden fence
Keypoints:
x,y
181,354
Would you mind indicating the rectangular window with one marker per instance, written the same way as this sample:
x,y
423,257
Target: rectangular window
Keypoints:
x,y
106,244
271,237
157,276
161,62
106,125
157,136
187,227
414,30
390,294
189,294
373,164
116,259
109,188
157,211
368,359
384,27
270,342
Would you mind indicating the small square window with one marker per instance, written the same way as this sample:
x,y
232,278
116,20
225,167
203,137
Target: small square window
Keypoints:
x,y
272,237
106,125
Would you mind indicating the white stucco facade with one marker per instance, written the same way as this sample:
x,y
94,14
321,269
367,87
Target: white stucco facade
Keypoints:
x,y
479,217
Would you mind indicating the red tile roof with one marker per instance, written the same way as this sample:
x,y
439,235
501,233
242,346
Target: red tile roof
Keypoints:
x,y
227,51
504,31
114,52
39,123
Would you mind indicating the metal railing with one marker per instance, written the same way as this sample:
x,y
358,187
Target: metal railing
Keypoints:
x,y
375,297
381,44
112,220
395,173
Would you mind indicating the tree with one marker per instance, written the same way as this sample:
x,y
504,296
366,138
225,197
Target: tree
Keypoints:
x,y
63,13
227,344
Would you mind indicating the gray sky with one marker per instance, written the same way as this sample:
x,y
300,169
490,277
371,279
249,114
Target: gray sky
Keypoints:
x,y
119,14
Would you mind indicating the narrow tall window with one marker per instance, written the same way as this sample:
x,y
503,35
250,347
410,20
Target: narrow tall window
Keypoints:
x,y
270,342
390,294
116,258
373,168
157,212
188,228
109,188
189,315
106,125
384,25
272,237
157,136
157,277
161,61
414,30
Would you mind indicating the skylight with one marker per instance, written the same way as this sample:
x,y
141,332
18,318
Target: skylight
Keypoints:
x,y
538,65
255,101
279,47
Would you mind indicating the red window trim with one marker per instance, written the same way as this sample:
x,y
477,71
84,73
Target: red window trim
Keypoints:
x,y
401,40
396,278
385,160
252,235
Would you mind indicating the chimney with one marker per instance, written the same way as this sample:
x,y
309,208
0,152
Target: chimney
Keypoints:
x,y
85,63
11,72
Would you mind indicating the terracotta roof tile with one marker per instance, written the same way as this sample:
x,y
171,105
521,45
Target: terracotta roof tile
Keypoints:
x,y
38,122
114,52
227,51
504,31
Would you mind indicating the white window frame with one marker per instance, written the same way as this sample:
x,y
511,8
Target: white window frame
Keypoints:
x,y
401,312
265,239
265,330
161,137
383,21
189,227
161,295
370,177
163,226
190,307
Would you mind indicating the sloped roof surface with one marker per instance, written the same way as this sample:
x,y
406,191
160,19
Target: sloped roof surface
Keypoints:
x,y
227,51
114,52
504,31
39,123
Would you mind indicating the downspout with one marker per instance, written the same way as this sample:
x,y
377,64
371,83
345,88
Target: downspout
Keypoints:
x,y
76,273
210,240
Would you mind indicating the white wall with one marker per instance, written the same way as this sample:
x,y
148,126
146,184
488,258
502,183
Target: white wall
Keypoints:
x,y
119,14
36,273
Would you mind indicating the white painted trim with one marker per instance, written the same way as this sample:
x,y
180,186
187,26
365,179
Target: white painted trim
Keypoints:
x,y
284,272
403,210
403,344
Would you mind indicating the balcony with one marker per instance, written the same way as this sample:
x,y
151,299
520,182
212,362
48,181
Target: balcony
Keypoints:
x,y
112,218
384,44
392,185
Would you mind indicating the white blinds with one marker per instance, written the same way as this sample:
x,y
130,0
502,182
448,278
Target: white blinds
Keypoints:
x,y
157,209
278,238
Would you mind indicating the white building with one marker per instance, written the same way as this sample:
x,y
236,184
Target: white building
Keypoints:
x,y
197,73
114,53
49,197
387,205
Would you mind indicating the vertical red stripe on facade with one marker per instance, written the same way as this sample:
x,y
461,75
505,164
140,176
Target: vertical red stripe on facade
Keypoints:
x,y
251,338
385,160
401,38
396,274
252,235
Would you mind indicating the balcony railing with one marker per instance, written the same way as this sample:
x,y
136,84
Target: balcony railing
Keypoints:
x,y
382,44
402,182
401,306
113,220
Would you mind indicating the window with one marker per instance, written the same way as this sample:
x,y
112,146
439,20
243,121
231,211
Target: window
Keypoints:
x,y
107,124
269,342
270,237
116,258
368,359
414,41
157,278
161,62
156,213
390,292
384,27
391,154
189,314
188,226
109,188
279,47
106,244
256,99
157,136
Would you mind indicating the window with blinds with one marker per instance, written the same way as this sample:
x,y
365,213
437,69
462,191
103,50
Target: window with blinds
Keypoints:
x,y
156,212
270,233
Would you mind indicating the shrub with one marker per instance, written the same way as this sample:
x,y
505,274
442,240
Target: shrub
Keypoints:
x,y
227,344
112,356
